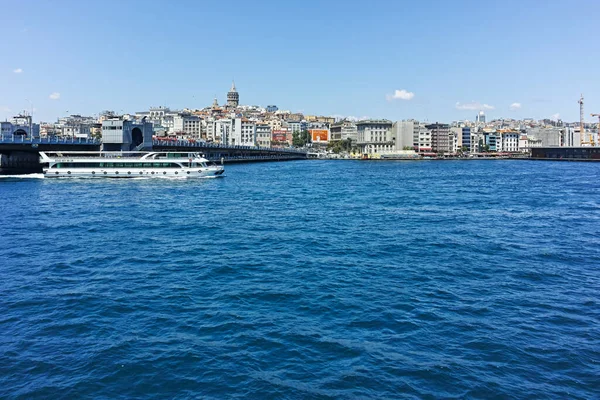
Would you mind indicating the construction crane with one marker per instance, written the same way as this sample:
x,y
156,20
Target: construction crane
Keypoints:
x,y
581,128
598,137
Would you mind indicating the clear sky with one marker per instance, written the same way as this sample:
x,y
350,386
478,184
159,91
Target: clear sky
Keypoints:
x,y
435,60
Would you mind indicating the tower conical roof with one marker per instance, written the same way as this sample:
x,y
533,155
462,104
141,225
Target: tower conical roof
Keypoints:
x,y
233,87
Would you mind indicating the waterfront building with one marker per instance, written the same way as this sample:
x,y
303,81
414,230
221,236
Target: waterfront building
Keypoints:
x,y
456,133
233,97
509,141
455,141
412,133
375,136
263,135
21,125
548,137
6,128
244,132
271,108
349,131
343,130
404,134
466,138
491,140
440,138
221,131
187,126
422,138
571,137
523,144
123,135
336,131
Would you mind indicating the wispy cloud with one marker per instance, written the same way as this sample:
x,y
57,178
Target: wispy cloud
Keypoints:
x,y
400,95
515,106
54,96
474,105
18,70
555,117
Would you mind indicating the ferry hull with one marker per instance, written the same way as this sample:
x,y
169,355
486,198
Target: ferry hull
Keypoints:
x,y
130,173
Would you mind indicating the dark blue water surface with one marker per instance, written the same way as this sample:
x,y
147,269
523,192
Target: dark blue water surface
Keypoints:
x,y
308,279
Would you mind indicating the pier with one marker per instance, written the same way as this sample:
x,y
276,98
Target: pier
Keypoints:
x,y
19,154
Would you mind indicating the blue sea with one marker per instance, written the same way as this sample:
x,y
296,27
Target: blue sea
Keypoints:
x,y
305,279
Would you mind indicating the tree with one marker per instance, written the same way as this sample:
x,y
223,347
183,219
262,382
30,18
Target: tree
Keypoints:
x,y
300,138
340,146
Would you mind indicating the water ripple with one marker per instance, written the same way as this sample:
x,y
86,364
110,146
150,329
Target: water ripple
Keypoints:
x,y
305,280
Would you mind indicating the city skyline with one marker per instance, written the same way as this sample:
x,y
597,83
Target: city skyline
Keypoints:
x,y
433,61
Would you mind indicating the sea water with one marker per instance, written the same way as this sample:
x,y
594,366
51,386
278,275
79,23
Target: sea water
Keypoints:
x,y
307,279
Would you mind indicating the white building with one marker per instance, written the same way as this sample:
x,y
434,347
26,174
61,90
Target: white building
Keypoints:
x,y
375,136
159,116
243,133
509,141
572,137
221,131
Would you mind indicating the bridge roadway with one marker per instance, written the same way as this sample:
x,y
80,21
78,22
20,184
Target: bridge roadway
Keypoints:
x,y
19,154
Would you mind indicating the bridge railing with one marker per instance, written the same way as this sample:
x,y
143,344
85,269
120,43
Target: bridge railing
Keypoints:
x,y
9,139
186,143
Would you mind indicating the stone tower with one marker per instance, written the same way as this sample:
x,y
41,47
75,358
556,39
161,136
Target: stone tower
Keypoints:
x,y
233,98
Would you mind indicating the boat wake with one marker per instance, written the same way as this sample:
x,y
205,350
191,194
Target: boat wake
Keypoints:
x,y
22,176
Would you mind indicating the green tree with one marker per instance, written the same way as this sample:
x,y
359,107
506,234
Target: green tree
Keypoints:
x,y
300,138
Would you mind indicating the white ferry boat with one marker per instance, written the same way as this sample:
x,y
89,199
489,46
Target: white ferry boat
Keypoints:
x,y
128,165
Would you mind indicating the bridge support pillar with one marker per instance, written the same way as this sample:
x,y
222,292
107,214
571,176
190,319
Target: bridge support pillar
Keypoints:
x,y
17,162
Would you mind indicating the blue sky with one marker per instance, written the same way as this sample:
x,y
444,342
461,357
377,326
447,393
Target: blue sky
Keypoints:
x,y
444,60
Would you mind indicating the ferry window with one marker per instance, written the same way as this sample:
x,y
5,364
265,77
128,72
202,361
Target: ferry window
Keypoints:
x,y
147,165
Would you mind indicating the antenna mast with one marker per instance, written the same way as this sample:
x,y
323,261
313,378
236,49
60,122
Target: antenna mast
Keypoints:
x,y
581,128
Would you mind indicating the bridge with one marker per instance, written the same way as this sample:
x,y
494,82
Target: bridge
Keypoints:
x,y
19,154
